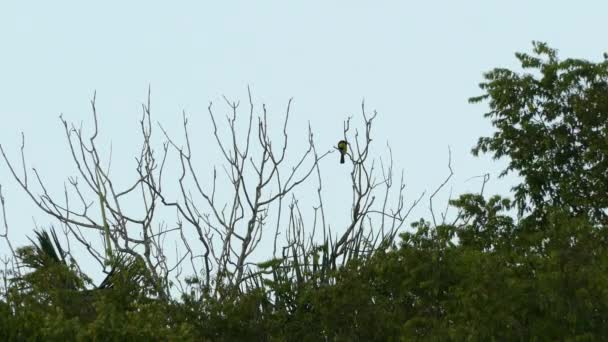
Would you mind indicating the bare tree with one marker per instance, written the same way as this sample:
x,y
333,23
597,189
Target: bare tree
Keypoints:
x,y
372,225
93,189
257,203
258,178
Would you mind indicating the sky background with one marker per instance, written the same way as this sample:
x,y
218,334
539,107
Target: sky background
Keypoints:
x,y
415,62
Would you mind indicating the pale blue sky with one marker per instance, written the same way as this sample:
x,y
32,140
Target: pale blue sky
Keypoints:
x,y
415,62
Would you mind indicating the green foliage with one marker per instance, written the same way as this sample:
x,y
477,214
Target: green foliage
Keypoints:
x,y
552,123
488,278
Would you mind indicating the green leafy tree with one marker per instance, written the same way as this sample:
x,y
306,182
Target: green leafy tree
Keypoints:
x,y
552,123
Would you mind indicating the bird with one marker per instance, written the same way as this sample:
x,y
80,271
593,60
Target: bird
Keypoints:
x,y
342,147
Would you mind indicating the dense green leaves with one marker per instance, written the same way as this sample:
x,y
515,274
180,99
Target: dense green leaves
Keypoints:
x,y
486,278
552,123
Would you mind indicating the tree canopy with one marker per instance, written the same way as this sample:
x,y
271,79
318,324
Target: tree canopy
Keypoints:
x,y
488,275
552,124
